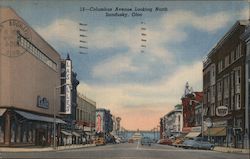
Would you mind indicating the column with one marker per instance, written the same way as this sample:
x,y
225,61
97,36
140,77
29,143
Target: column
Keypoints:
x,y
7,132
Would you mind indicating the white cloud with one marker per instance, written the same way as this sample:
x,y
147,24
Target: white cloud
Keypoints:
x,y
111,67
209,23
61,30
168,91
244,14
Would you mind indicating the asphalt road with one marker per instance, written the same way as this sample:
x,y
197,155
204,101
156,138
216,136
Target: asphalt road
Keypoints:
x,y
129,151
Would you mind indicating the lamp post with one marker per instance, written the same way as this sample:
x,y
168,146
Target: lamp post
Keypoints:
x,y
54,114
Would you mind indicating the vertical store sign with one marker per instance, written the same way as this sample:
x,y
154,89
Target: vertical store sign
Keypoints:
x,y
68,89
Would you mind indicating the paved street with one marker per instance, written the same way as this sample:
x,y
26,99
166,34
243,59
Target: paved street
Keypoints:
x,y
129,151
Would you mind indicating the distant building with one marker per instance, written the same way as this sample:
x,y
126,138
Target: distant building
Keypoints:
x,y
162,128
224,86
86,114
190,101
104,122
173,122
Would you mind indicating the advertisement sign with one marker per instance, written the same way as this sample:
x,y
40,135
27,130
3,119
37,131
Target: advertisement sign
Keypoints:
x,y
68,72
221,111
42,102
67,99
68,68
99,122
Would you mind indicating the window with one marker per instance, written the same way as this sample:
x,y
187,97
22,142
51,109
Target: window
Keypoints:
x,y
1,129
213,94
219,90
237,102
220,66
27,45
238,51
226,61
232,56
237,80
226,87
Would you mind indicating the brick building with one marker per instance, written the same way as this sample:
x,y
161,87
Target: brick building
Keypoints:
x,y
224,88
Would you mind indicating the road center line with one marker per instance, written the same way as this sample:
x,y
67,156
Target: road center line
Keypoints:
x,y
137,145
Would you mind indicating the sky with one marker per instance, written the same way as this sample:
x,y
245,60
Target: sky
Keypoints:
x,y
140,87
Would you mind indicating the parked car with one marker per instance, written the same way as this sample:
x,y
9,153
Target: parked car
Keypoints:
x,y
165,142
146,141
198,143
178,142
100,141
130,141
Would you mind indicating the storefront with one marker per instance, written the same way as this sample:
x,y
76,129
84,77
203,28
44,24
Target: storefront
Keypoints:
x,y
19,128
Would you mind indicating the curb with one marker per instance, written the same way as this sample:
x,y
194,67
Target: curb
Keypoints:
x,y
232,150
47,149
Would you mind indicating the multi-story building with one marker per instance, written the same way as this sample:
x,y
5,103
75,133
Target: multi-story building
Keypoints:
x,y
85,116
191,102
162,128
173,122
29,74
224,88
116,125
246,38
104,122
68,92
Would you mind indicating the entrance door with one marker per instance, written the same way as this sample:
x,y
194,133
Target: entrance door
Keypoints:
x,y
40,137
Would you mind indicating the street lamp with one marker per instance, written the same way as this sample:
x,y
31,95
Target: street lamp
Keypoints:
x,y
54,114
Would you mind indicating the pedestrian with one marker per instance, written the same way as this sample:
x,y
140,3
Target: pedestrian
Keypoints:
x,y
43,140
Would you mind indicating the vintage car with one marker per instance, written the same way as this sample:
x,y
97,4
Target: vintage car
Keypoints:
x,y
198,143
146,141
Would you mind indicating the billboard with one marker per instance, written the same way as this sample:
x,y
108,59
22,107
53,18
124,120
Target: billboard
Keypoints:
x,y
99,122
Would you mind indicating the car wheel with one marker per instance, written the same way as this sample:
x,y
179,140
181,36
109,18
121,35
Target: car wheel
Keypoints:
x,y
212,147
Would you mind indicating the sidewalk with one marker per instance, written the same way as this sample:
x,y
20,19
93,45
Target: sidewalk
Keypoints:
x,y
231,150
42,149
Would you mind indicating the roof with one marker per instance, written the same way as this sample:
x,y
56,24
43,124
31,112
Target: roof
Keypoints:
x,y
225,37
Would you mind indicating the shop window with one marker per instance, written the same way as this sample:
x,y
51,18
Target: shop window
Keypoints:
x,y
1,130
13,131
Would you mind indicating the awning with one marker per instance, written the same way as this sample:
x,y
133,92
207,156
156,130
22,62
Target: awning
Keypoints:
x,y
66,133
192,134
220,131
31,116
76,134
2,111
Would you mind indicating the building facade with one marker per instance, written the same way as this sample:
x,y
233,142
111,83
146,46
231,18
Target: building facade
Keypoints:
x,y
104,123
190,102
68,93
85,116
29,73
246,38
224,86
173,122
